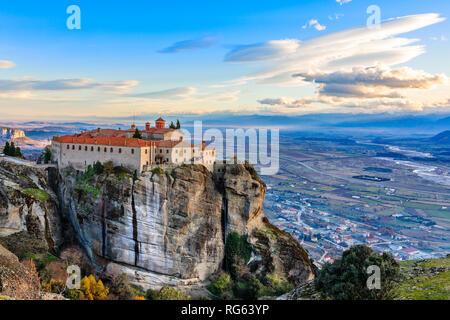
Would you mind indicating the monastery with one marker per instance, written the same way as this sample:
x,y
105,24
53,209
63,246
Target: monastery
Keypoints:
x,y
158,146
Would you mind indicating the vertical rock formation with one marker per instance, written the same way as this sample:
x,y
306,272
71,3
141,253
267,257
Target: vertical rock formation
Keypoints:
x,y
165,228
10,133
169,228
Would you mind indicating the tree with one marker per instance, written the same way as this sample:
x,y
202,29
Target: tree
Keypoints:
x,y
178,124
6,149
18,153
47,155
91,289
109,167
137,134
346,278
98,168
172,125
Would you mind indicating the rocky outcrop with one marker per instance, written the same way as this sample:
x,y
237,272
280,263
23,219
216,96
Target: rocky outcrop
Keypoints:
x,y
28,204
10,133
169,227
17,280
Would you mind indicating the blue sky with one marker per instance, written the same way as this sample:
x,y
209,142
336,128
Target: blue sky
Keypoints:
x,y
221,56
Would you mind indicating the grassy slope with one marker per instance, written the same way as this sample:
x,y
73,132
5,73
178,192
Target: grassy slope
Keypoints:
x,y
425,280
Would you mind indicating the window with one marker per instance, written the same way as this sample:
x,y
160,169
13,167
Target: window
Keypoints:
x,y
68,147
106,149
85,148
160,150
167,151
112,150
120,150
98,149
73,147
79,148
146,151
184,150
132,151
92,149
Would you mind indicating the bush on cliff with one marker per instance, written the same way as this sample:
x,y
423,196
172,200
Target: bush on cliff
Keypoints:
x,y
219,286
237,252
346,278
166,293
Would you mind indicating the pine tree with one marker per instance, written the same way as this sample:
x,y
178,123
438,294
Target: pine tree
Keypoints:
x,y
12,150
172,126
137,134
18,153
6,149
178,124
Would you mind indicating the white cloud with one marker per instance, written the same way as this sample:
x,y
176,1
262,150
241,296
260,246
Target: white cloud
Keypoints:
x,y
341,2
357,47
271,50
174,93
26,88
376,82
4,64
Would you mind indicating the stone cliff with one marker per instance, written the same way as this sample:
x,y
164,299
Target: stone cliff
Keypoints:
x,y
28,204
10,133
164,228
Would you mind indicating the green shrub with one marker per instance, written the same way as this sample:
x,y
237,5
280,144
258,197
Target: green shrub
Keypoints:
x,y
237,250
346,278
157,171
275,286
38,194
249,288
166,293
219,286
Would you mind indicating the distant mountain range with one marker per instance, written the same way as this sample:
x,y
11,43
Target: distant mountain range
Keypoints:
x,y
442,138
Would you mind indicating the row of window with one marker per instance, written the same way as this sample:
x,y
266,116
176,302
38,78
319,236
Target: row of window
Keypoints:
x,y
99,149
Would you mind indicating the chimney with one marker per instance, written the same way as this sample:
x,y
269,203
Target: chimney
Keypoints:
x,y
133,126
181,138
203,145
99,129
147,126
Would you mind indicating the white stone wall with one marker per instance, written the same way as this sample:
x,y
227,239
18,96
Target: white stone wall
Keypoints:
x,y
134,158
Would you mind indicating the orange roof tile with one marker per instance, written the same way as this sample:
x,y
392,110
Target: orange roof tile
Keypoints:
x,y
105,141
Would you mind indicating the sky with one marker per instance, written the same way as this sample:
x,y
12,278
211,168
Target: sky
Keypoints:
x,y
222,57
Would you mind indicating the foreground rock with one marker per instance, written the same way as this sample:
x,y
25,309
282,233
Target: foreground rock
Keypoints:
x,y
28,204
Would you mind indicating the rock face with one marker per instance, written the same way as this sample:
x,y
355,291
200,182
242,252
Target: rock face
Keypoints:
x,y
10,133
169,228
16,279
28,204
165,228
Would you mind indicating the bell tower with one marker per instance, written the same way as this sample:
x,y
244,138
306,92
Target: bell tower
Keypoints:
x,y
160,123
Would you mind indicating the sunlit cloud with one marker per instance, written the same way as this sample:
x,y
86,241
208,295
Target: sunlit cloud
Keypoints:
x,y
357,47
28,85
5,64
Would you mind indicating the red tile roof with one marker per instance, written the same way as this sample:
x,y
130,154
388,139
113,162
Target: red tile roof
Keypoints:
x,y
171,144
160,119
105,141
